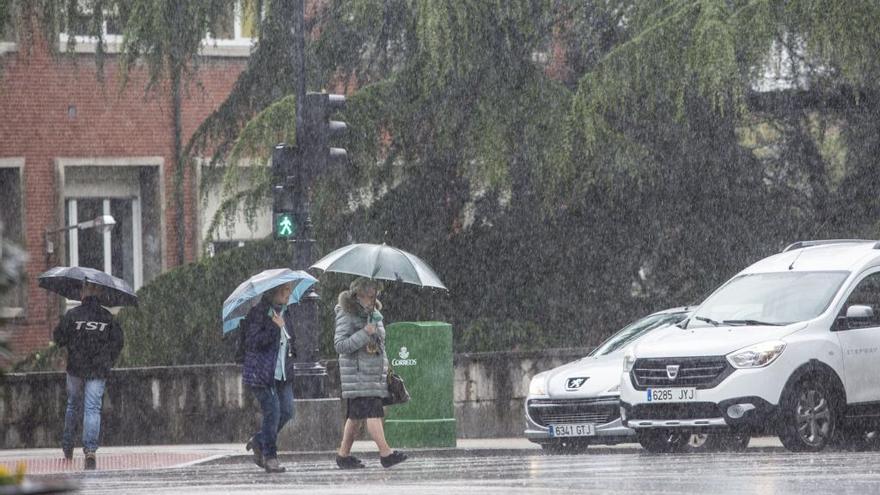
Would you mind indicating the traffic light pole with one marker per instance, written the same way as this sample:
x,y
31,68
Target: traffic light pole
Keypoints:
x,y
310,380
294,170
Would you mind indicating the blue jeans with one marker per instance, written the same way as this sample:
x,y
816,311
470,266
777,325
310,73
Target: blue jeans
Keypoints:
x,y
80,392
276,402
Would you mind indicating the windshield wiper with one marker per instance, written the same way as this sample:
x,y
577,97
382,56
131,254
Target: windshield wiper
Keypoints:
x,y
707,320
752,323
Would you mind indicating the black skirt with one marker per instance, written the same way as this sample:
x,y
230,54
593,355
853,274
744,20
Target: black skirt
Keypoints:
x,y
364,407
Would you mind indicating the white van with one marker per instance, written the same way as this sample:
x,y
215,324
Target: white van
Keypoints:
x,y
790,345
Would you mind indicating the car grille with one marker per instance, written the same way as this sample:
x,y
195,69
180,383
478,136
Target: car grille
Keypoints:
x,y
699,372
683,411
562,411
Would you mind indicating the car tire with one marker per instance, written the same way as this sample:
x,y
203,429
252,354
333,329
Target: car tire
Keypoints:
x,y
663,441
565,447
808,416
699,442
718,442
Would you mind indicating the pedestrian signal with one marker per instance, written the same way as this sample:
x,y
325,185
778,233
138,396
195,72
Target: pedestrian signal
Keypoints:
x,y
285,226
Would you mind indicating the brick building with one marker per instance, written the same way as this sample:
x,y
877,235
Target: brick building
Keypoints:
x,y
74,146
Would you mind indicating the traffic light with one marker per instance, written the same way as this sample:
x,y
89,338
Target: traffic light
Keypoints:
x,y
318,130
285,171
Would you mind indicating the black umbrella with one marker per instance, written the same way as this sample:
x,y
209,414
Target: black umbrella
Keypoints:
x,y
68,281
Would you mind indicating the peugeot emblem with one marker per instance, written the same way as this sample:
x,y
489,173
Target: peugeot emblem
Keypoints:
x,y
575,383
672,371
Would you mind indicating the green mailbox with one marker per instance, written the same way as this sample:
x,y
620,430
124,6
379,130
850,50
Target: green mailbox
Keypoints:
x,y
421,353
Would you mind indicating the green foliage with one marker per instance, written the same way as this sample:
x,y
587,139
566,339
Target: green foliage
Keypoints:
x,y
557,206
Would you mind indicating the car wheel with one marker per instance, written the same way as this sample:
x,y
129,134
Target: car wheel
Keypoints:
x,y
565,447
718,442
808,417
663,441
697,442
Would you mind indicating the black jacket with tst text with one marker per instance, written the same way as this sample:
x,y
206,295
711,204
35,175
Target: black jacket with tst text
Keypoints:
x,y
92,337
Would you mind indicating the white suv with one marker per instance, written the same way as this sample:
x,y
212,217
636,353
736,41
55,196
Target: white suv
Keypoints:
x,y
790,345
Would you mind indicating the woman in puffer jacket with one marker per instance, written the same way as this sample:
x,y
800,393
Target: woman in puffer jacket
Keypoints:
x,y
360,342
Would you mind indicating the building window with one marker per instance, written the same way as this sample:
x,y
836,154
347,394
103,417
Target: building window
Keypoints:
x,y
128,189
12,303
8,35
7,29
234,27
81,24
251,220
238,25
114,251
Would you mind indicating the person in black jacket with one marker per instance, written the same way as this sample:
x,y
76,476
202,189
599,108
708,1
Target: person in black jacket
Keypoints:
x,y
268,371
94,341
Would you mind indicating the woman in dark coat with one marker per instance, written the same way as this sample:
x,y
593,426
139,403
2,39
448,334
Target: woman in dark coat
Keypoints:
x,y
268,371
363,367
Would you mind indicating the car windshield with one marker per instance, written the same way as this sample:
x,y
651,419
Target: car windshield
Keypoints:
x,y
635,330
769,299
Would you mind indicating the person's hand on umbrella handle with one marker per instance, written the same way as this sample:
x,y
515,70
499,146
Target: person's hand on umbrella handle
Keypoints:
x,y
370,329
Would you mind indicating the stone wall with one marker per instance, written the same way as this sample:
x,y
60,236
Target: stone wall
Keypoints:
x,y
208,404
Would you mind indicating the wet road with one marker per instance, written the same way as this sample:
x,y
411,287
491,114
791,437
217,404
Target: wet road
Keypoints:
x,y
760,471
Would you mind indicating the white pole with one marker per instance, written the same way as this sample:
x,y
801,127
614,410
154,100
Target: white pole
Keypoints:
x,y
108,252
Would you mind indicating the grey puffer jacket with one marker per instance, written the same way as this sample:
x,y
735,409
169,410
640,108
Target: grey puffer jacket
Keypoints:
x,y
362,373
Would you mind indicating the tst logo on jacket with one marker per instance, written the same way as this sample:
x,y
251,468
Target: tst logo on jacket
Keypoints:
x,y
91,325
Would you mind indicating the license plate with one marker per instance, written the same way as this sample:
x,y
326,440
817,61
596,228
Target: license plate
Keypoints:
x,y
688,394
573,430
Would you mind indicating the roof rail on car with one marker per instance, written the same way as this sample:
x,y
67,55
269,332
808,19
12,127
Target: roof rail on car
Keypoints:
x,y
804,244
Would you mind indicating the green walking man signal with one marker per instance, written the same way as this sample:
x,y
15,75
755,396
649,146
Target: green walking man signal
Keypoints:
x,y
285,226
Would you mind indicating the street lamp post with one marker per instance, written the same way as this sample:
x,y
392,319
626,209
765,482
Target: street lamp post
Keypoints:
x,y
103,223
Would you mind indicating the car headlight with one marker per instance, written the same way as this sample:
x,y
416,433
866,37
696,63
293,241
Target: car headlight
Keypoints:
x,y
538,385
758,355
629,360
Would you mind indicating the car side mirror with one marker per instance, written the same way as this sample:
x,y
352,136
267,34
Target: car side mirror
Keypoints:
x,y
859,312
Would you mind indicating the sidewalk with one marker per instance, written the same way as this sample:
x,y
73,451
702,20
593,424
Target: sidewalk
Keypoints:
x,y
51,461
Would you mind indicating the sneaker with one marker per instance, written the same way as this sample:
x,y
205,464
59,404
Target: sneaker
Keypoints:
x,y
395,457
258,453
68,453
271,465
91,462
350,462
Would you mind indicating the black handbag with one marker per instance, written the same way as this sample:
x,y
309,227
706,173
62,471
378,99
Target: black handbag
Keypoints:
x,y
397,392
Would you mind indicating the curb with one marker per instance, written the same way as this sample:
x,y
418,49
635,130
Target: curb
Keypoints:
x,y
330,456
449,452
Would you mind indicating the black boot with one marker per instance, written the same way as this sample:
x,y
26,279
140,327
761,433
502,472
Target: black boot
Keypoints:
x,y
253,445
350,462
91,462
272,466
395,457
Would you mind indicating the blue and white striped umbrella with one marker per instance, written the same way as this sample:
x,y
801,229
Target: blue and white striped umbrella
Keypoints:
x,y
248,294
